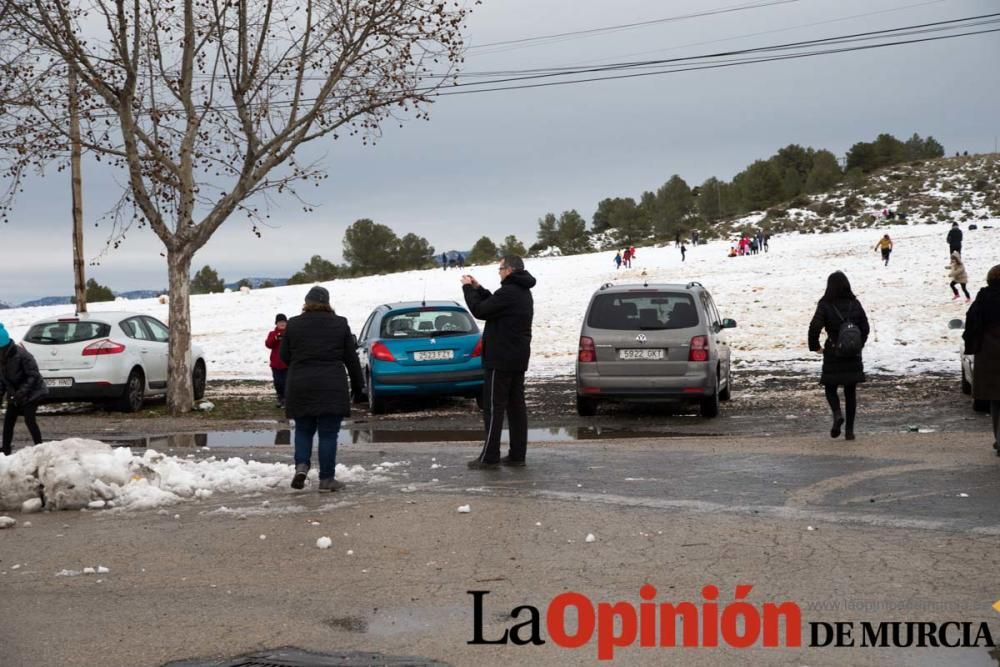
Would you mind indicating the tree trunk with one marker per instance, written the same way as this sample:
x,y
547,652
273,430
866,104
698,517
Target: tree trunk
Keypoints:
x,y
76,183
180,393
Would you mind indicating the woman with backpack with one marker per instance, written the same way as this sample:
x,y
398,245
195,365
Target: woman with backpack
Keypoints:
x,y
23,386
982,338
846,324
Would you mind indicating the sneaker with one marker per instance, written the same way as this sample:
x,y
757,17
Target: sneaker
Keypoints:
x,y
299,480
955,298
968,300
849,435
477,464
330,485
513,463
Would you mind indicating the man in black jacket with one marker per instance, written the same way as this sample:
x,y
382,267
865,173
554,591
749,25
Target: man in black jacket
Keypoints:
x,y
506,350
23,386
954,239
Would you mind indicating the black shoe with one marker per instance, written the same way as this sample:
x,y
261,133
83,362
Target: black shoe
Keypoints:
x,y
513,463
478,464
330,485
838,421
299,480
849,435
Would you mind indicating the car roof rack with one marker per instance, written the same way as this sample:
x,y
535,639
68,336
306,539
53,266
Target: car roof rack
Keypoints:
x,y
607,285
694,283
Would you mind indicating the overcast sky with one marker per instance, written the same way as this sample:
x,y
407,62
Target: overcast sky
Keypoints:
x,y
492,164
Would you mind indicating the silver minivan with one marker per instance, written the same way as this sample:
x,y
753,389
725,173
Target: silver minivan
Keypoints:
x,y
653,343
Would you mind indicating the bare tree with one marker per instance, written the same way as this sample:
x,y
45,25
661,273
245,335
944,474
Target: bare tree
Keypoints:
x,y
202,104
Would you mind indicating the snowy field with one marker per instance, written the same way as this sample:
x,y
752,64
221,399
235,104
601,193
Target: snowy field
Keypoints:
x,y
771,296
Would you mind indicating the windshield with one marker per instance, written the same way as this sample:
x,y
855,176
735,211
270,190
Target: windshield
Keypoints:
x,y
62,333
643,311
426,323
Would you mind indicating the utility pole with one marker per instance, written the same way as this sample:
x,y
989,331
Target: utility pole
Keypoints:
x,y
79,286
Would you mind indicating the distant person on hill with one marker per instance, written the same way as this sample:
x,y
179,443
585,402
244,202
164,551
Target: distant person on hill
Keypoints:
x,y
279,369
23,386
444,261
461,261
958,276
767,241
982,338
677,239
627,258
732,251
694,237
846,324
954,239
684,251
885,245
618,260
631,254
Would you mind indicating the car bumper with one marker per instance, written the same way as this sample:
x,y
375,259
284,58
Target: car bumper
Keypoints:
x,y
441,382
692,386
84,391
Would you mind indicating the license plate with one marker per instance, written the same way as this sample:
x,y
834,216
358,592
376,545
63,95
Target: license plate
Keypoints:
x,y
641,353
59,382
434,355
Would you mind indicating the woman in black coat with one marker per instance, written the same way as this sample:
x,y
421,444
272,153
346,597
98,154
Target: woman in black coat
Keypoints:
x,y
982,339
320,353
23,386
837,306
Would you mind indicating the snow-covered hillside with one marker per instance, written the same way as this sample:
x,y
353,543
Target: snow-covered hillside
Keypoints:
x,y
771,296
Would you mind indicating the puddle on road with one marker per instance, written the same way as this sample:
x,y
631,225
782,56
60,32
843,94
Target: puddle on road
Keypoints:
x,y
283,437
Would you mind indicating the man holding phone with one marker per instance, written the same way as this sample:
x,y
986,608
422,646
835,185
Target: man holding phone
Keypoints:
x,y
508,313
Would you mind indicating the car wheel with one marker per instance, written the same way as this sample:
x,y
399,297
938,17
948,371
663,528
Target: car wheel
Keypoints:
x,y
980,406
709,407
586,406
199,378
376,404
727,393
966,385
135,392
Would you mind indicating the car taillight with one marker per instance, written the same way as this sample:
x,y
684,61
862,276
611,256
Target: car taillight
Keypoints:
x,y
477,351
588,353
381,352
105,346
699,349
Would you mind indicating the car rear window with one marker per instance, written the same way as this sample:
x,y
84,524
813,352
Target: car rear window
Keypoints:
x,y
427,323
643,311
63,333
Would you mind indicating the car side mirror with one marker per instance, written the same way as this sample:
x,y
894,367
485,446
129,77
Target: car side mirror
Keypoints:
x,y
728,323
956,324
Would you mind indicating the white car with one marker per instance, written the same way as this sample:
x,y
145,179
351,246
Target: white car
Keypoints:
x,y
111,358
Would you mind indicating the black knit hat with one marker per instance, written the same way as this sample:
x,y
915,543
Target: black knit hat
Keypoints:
x,y
318,295
280,317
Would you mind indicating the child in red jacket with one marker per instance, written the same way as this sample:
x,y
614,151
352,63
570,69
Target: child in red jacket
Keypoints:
x,y
279,371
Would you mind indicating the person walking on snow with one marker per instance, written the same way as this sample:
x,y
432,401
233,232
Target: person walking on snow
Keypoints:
x,y
683,251
839,311
627,258
954,239
618,261
321,356
23,387
958,275
885,245
279,371
982,338
508,313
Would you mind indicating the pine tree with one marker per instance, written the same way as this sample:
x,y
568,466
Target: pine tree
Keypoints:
x,y
207,281
483,252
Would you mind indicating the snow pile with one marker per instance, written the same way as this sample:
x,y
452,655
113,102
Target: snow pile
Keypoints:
x,y
78,473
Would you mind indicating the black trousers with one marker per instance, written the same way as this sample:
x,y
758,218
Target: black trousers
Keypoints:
x,y
850,399
995,416
964,289
10,418
503,394
280,376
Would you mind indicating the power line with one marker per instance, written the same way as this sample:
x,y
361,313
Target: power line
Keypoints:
x,y
628,26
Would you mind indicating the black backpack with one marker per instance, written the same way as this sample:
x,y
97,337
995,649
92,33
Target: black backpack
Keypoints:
x,y
849,338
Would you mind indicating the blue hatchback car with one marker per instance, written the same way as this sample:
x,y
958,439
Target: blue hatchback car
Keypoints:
x,y
420,349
